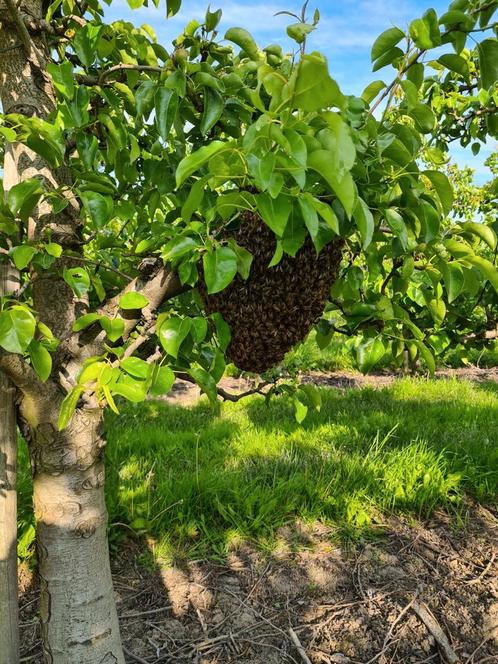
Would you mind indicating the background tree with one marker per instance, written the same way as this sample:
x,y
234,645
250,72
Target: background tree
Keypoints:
x,y
133,175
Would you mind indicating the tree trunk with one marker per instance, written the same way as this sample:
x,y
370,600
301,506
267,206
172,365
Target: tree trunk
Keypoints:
x,y
77,611
9,627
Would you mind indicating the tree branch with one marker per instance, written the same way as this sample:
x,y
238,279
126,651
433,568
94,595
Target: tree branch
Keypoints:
x,y
229,396
24,36
22,375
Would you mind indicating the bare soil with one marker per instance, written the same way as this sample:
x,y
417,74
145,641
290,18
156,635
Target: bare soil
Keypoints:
x,y
362,604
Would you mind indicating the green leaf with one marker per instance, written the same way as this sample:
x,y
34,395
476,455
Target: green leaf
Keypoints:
x,y
384,42
22,255
310,86
343,187
309,214
372,90
62,78
299,31
128,387
77,278
173,332
274,212
53,249
40,359
172,7
166,104
454,279
421,34
389,57
427,356
244,40
144,98
191,163
369,353
179,246
327,214
483,231
212,111
220,267
244,259
194,198
485,267
113,327
488,62
365,222
132,300
162,381
443,189
455,63
205,381
136,367
85,321
100,208
68,407
17,329
85,42
300,409
397,225
22,198
424,117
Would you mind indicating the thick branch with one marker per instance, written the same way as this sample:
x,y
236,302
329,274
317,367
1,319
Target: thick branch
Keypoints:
x,y
21,374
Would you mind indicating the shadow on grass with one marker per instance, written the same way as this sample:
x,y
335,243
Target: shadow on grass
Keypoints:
x,y
197,483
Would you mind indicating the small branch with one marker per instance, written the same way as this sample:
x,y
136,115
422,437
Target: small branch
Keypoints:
x,y
228,396
21,28
433,626
100,265
299,646
116,69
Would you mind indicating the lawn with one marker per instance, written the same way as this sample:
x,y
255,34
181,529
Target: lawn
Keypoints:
x,y
197,481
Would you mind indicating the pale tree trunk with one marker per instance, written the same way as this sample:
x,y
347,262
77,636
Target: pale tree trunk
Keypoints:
x,y
77,611
9,627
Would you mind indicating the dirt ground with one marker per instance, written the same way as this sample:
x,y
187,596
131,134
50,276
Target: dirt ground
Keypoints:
x,y
419,592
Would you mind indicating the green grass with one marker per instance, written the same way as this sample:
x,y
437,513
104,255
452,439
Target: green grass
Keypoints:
x,y
198,481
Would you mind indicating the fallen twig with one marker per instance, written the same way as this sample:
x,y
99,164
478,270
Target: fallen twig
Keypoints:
x,y
299,646
483,573
434,628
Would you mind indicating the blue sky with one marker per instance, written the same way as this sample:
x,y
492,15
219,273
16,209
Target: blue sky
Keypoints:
x,y
345,34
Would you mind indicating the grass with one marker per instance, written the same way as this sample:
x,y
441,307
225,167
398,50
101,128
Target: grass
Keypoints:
x,y
198,481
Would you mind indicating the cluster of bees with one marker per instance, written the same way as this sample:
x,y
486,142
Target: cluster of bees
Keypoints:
x,y
275,307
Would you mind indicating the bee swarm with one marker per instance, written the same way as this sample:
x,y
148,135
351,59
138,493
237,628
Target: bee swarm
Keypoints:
x,y
275,307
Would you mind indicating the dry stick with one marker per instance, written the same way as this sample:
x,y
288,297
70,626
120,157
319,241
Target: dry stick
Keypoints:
x,y
299,646
433,626
387,640
145,613
483,573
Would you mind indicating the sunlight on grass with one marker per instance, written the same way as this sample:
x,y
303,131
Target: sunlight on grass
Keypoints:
x,y
197,482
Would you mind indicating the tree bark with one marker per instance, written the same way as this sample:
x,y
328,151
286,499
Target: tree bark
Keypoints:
x,y
9,627
77,610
